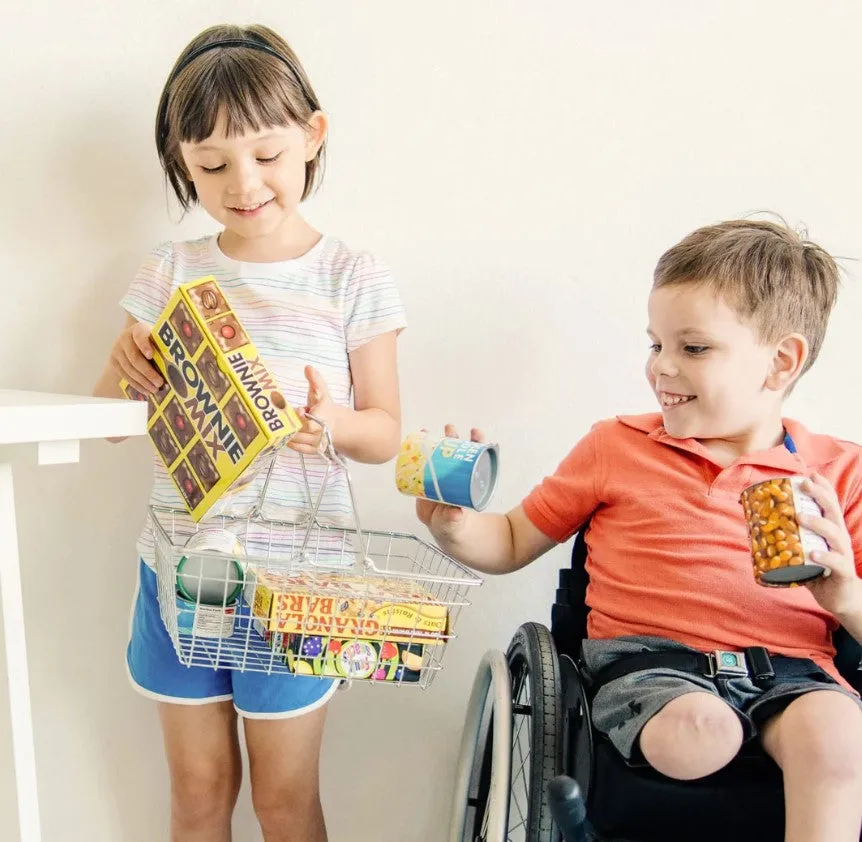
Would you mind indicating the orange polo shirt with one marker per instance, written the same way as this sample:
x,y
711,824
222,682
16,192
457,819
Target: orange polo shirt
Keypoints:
x,y
668,546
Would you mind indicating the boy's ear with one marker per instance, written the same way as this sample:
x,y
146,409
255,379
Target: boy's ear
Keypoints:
x,y
315,134
790,357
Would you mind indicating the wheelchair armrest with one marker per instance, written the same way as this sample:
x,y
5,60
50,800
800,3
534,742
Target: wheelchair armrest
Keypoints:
x,y
579,739
848,657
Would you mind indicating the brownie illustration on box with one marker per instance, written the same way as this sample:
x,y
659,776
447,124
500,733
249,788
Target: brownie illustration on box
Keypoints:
x,y
220,413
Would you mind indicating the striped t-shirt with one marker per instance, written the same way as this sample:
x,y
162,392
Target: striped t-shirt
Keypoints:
x,y
313,310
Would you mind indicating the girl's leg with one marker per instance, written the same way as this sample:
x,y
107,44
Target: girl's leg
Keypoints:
x,y
202,749
284,764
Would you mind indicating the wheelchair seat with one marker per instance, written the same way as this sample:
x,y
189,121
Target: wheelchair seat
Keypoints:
x,y
743,801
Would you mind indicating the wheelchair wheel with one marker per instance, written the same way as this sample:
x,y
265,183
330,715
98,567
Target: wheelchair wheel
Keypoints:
x,y
513,747
481,804
538,733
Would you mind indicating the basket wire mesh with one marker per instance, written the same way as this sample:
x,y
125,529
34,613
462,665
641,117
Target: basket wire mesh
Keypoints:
x,y
306,598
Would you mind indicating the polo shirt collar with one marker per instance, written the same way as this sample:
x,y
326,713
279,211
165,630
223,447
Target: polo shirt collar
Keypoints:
x,y
814,450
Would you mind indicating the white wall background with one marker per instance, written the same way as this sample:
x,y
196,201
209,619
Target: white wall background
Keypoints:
x,y
521,166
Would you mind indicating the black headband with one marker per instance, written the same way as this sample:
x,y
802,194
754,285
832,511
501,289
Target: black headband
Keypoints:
x,y
228,42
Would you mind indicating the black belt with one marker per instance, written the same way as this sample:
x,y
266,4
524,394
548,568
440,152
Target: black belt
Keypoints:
x,y
755,662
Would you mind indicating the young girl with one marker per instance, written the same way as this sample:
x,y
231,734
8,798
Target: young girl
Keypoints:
x,y
240,131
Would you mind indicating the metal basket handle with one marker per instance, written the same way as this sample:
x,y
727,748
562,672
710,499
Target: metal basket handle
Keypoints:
x,y
331,457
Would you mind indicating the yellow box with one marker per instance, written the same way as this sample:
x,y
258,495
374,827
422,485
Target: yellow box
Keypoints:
x,y
345,606
220,411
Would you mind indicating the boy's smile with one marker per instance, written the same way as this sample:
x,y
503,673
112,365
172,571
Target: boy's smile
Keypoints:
x,y
672,400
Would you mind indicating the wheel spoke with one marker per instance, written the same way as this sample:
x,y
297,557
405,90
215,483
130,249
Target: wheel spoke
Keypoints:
x,y
521,751
513,794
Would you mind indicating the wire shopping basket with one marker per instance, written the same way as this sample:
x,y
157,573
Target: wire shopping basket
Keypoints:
x,y
273,596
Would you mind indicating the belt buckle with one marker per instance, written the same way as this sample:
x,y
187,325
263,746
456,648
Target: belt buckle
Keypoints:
x,y
725,662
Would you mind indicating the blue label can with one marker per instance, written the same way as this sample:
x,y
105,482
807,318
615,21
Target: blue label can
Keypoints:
x,y
449,470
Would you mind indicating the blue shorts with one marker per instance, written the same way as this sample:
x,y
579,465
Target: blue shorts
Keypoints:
x,y
156,671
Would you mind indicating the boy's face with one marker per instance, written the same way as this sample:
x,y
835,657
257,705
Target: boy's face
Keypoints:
x,y
253,182
713,377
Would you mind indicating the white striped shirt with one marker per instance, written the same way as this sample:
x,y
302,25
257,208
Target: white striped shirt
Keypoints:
x,y
313,310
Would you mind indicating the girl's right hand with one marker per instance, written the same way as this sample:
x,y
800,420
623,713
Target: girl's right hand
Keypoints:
x,y
131,355
442,520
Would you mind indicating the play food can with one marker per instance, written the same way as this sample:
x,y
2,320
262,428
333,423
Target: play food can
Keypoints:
x,y
448,470
781,547
209,572
195,618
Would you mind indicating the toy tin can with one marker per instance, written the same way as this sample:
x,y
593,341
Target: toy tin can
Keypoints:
x,y
448,470
195,618
209,572
780,546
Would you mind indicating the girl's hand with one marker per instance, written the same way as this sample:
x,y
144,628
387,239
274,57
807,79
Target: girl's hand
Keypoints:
x,y
131,355
319,403
839,592
444,521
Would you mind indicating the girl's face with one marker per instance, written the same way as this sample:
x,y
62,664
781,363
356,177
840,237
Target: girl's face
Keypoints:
x,y
253,183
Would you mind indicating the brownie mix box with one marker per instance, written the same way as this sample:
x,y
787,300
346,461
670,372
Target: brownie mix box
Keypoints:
x,y
219,413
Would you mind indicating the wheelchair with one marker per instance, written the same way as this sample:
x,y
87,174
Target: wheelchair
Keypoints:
x,y
528,729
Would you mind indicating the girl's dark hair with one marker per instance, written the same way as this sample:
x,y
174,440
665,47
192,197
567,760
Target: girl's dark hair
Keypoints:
x,y
252,87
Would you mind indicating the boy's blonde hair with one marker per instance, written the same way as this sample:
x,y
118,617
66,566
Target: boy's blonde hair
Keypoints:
x,y
253,88
775,279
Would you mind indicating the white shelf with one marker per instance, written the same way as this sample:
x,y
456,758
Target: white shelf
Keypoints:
x,y
44,417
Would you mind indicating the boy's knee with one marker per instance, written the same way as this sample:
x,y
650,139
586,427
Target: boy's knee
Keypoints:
x,y
692,736
819,734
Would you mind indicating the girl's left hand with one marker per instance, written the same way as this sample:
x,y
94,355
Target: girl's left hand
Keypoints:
x,y
841,591
319,404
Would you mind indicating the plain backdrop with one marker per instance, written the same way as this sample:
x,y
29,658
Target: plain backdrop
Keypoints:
x,y
521,167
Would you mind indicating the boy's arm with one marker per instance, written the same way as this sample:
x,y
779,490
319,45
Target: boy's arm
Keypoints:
x,y
549,515
491,543
840,592
852,619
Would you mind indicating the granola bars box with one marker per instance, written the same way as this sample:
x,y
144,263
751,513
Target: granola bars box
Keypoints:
x,y
220,412
344,606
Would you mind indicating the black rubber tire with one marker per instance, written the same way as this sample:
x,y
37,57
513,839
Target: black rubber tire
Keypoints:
x,y
532,656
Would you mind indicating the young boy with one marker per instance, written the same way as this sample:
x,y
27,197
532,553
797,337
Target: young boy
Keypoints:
x,y
737,314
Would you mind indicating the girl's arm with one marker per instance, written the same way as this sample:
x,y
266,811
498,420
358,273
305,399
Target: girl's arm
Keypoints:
x,y
130,358
371,430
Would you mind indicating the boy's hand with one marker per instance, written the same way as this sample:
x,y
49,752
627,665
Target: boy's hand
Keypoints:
x,y
131,355
444,521
320,404
840,592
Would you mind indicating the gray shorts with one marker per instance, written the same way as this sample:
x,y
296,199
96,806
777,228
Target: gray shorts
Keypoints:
x,y
623,706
